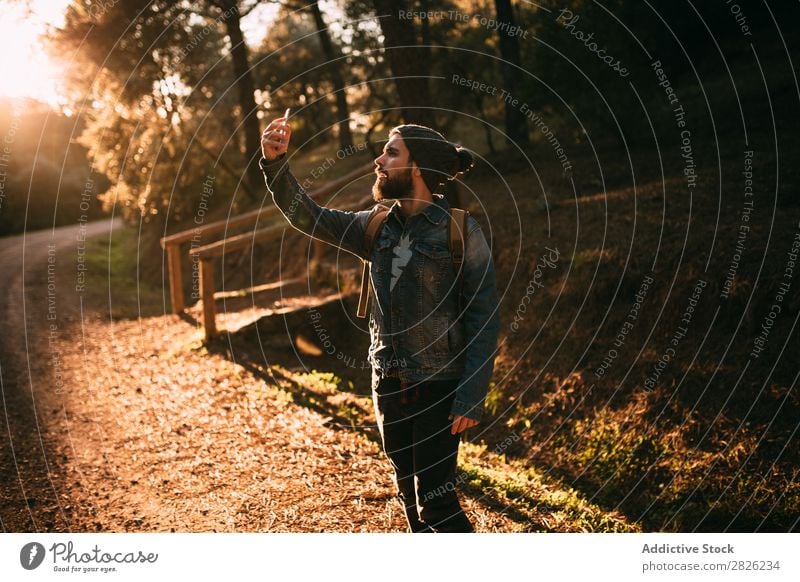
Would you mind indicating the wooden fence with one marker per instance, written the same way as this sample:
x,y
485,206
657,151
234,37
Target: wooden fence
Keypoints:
x,y
207,254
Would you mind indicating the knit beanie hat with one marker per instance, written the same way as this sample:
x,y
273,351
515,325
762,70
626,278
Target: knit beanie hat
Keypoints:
x,y
438,159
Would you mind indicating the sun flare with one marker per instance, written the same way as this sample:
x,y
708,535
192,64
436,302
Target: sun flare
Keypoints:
x,y
25,69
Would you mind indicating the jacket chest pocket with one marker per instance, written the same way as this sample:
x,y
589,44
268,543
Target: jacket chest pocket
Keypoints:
x,y
382,255
432,260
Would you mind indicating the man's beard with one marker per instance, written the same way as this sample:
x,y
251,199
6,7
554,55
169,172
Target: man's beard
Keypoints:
x,y
393,188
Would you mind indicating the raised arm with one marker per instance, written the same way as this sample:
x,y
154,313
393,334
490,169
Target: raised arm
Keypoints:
x,y
340,228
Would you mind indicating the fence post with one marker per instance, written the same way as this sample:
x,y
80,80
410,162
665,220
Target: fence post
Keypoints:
x,y
207,296
175,277
315,265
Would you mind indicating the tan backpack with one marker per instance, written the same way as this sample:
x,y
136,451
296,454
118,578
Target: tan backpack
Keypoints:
x,y
455,241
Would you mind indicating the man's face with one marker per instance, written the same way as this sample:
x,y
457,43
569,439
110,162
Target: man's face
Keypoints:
x,y
393,169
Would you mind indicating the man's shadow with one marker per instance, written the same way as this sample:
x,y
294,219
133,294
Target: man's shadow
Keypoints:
x,y
326,338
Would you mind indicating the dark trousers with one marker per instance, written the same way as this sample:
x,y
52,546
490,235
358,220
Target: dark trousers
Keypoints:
x,y
415,432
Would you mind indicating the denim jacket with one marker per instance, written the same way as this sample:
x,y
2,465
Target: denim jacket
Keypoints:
x,y
414,306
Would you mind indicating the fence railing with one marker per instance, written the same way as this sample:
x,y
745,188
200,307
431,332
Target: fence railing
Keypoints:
x,y
207,254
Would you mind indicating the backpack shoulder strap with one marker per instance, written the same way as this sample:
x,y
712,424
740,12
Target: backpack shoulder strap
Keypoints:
x,y
455,239
456,236
374,225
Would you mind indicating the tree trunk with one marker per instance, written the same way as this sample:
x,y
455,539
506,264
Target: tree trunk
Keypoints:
x,y
335,63
487,127
425,32
244,82
516,126
410,65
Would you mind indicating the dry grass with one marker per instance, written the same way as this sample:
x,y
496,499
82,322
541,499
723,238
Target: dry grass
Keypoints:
x,y
702,450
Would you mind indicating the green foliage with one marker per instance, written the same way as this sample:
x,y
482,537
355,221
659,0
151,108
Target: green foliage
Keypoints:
x,y
617,453
290,67
113,277
549,505
158,103
494,398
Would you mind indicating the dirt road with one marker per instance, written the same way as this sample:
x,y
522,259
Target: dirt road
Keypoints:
x,y
29,494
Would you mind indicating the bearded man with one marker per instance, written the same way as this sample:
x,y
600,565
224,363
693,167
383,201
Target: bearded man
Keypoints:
x,y
433,331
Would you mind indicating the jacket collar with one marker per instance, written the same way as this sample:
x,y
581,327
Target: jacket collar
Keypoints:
x,y
435,213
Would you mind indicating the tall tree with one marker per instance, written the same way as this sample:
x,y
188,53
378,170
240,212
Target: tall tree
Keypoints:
x,y
335,64
231,16
291,74
150,82
516,125
409,62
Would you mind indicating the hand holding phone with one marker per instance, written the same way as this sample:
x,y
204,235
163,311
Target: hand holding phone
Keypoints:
x,y
275,139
